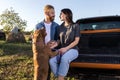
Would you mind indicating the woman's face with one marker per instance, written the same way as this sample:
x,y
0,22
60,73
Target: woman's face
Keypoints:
x,y
62,16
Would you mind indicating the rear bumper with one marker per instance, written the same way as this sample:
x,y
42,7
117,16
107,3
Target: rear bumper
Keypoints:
x,y
95,65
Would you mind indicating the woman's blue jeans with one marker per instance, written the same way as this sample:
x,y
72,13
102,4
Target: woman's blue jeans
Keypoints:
x,y
61,69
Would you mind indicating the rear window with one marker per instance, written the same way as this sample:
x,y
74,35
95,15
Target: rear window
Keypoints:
x,y
100,25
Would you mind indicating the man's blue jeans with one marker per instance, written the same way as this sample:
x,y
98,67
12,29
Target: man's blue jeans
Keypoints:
x,y
61,69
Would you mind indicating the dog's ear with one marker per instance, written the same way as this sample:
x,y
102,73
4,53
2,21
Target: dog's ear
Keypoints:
x,y
34,33
37,31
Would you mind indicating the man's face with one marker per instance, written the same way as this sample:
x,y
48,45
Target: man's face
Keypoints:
x,y
50,14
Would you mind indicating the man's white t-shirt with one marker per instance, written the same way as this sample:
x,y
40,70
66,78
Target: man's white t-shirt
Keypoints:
x,y
48,30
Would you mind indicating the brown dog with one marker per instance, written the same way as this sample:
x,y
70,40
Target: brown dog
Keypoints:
x,y
41,54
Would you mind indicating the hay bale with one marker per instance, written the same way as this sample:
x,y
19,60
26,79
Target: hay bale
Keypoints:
x,y
16,38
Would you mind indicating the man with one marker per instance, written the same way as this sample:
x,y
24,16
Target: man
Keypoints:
x,y
50,26
48,23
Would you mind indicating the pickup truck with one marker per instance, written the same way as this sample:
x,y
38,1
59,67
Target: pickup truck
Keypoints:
x,y
99,47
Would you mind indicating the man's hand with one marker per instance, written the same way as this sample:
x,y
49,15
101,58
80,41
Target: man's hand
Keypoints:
x,y
52,44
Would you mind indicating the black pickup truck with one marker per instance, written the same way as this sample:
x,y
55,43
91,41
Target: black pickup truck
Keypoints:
x,y
99,47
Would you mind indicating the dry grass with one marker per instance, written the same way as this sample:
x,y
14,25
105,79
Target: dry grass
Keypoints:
x,y
16,61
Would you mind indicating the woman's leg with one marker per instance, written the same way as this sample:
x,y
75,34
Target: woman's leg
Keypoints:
x,y
54,65
69,56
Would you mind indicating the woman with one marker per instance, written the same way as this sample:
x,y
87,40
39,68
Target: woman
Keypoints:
x,y
69,36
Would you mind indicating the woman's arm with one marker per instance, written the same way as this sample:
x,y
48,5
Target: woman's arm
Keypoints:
x,y
74,43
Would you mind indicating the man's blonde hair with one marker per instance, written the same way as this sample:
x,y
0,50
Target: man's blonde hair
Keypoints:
x,y
48,7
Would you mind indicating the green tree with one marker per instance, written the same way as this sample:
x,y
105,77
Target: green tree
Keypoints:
x,y
9,19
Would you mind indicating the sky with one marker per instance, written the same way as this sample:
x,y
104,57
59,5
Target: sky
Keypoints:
x,y
32,10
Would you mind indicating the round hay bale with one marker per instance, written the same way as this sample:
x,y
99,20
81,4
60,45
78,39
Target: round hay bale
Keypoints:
x,y
16,38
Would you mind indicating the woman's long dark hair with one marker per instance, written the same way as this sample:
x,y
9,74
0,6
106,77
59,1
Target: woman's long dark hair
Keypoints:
x,y
69,15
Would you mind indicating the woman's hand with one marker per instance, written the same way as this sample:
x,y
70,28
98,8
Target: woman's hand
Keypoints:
x,y
62,50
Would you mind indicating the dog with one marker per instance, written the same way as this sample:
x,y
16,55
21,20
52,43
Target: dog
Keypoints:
x,y
41,54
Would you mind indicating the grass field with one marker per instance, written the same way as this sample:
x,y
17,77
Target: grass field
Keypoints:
x,y
16,61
